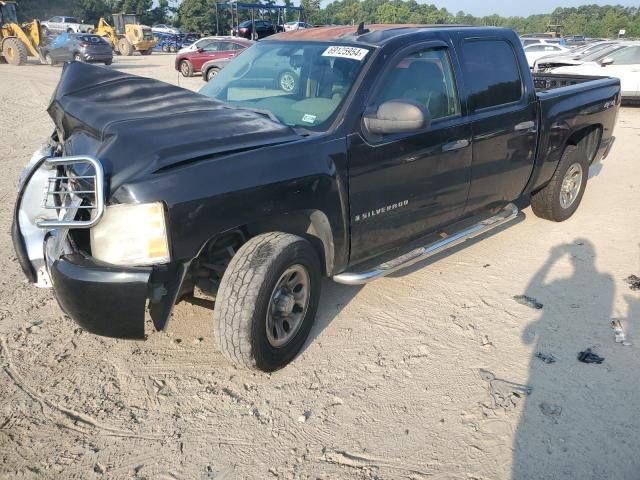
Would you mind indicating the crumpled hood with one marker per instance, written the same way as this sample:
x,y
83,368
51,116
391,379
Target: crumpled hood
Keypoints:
x,y
136,126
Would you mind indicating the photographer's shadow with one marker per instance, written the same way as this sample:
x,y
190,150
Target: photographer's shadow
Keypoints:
x,y
568,417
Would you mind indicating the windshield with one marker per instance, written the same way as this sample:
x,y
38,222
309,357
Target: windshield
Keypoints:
x,y
302,84
601,53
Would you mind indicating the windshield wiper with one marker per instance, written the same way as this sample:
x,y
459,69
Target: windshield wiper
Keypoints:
x,y
259,111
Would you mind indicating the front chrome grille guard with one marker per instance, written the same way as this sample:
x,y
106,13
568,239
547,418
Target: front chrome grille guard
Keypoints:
x,y
66,200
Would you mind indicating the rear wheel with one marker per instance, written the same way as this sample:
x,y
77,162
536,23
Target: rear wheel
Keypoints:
x,y
165,48
560,198
14,51
49,59
108,62
125,47
172,49
186,68
212,72
267,301
78,57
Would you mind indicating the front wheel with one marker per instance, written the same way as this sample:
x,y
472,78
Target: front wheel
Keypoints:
x,y
49,59
186,69
560,198
14,51
212,72
267,301
146,52
78,57
124,47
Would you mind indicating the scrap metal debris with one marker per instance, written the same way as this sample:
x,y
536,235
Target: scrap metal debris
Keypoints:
x,y
633,281
618,332
504,393
528,301
589,356
550,409
546,357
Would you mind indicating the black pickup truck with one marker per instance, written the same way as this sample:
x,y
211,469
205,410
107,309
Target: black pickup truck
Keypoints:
x,y
398,142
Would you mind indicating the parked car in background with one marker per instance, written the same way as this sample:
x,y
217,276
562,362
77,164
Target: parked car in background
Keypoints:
x,y
65,24
290,26
201,43
211,68
189,63
576,56
575,40
168,29
622,63
526,41
81,47
538,50
264,28
172,43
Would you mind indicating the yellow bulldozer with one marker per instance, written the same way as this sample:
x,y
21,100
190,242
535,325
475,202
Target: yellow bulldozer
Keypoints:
x,y
17,42
127,35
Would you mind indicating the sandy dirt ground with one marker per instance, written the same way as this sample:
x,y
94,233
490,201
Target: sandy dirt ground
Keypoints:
x,y
421,375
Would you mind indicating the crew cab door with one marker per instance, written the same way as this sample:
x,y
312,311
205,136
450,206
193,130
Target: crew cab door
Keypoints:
x,y
503,112
402,186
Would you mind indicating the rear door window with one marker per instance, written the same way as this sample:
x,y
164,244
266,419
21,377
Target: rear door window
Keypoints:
x,y
492,73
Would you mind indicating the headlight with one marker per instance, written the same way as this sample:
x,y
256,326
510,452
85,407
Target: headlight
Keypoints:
x,y
131,235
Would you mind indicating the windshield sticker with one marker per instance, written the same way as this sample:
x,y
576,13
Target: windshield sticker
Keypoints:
x,y
354,53
308,118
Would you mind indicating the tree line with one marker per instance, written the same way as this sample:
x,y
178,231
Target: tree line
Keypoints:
x,y
200,15
90,11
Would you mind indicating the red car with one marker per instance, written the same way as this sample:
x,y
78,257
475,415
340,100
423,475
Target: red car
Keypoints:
x,y
223,48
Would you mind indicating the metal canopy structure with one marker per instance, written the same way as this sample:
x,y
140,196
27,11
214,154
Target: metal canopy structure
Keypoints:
x,y
254,8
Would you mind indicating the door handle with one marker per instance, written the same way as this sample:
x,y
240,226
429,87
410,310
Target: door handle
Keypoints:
x,y
455,145
525,126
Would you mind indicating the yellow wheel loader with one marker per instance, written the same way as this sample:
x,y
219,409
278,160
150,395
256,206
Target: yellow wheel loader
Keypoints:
x,y
127,35
17,42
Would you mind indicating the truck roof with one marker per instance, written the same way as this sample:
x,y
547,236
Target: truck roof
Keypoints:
x,y
377,34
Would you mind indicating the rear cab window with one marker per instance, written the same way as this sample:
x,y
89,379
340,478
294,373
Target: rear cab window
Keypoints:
x,y
493,73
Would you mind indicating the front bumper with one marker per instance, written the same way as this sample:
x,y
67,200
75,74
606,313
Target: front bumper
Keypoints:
x,y
102,299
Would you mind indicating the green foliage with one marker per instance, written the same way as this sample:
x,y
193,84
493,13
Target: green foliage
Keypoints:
x,y
90,11
199,15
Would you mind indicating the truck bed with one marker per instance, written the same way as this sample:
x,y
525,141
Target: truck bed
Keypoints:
x,y
548,81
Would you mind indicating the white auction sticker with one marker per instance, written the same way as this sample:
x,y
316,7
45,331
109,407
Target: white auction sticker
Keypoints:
x,y
354,53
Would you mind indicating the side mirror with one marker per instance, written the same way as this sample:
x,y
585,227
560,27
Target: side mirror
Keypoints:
x,y
606,61
200,50
398,116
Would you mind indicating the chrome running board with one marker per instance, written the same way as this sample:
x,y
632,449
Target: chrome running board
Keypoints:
x,y
508,213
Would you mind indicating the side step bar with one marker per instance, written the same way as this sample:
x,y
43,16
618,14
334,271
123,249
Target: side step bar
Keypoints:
x,y
508,213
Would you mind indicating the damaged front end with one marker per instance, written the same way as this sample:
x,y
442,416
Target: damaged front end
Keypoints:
x,y
59,200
